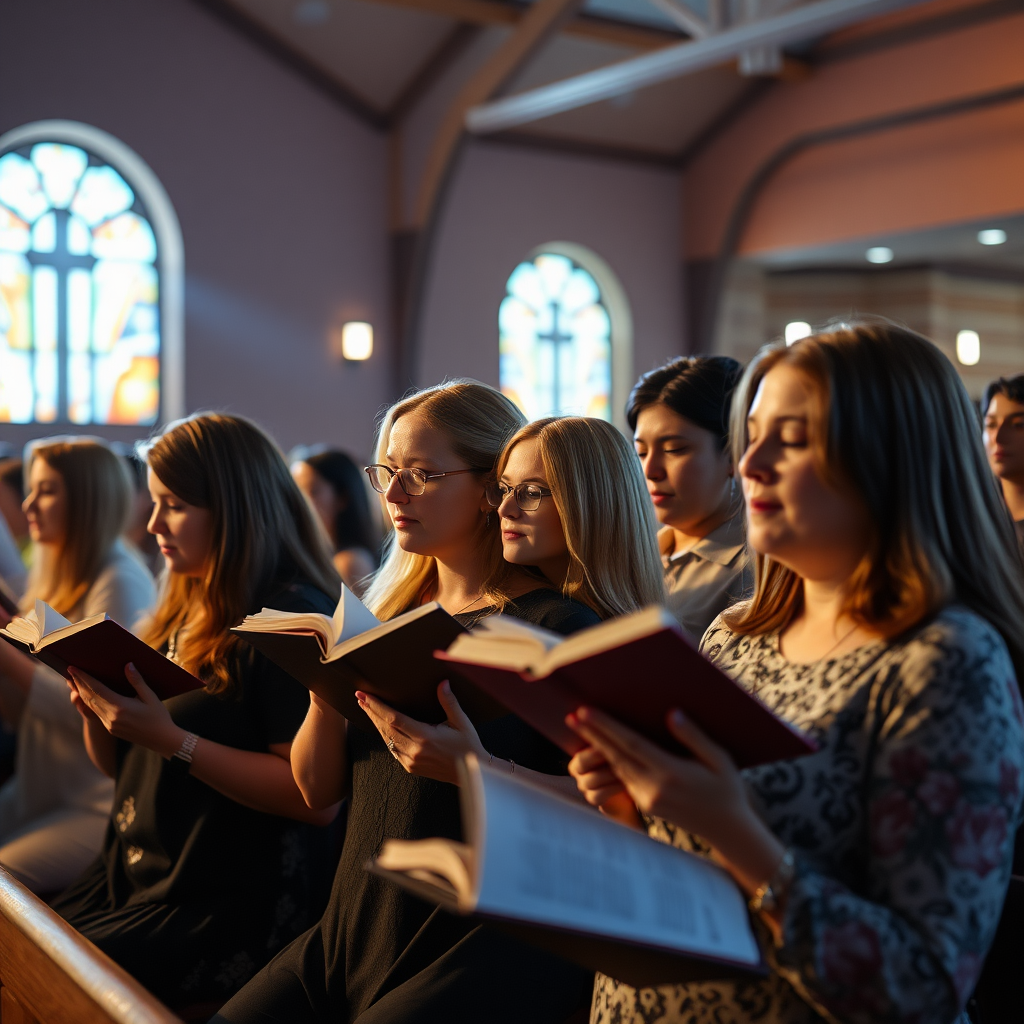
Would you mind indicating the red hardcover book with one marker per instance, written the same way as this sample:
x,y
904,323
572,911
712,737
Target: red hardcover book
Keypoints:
x,y
636,668
100,646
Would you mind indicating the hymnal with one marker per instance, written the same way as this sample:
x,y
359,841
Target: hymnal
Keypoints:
x,y
636,668
99,646
559,874
334,656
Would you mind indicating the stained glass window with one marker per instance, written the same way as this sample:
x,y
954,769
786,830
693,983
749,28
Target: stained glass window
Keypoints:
x,y
555,340
79,292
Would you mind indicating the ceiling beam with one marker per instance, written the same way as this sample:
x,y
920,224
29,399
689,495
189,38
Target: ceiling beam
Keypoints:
x,y
539,23
792,26
498,12
681,13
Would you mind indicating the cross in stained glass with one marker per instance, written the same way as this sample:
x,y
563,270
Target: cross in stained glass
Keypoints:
x,y
63,262
558,338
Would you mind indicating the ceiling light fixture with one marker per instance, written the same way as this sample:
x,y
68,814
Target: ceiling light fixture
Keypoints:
x,y
992,236
796,330
354,342
968,347
879,254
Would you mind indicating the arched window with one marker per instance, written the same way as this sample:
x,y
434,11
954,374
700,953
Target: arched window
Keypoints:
x,y
564,335
83,322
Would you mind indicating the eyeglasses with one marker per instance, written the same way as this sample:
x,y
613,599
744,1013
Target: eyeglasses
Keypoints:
x,y
412,481
527,496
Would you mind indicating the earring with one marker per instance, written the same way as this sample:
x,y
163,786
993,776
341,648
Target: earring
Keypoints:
x,y
487,521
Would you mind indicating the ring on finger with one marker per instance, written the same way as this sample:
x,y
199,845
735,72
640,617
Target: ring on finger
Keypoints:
x,y
391,747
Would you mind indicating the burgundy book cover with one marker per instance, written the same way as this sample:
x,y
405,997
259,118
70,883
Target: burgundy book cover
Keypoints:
x,y
103,651
639,683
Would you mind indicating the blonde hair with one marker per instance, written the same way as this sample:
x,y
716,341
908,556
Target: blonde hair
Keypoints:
x,y
477,421
606,513
98,494
892,424
264,534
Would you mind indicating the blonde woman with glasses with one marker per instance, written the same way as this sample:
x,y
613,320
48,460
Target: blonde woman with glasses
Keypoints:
x,y
380,956
54,810
887,622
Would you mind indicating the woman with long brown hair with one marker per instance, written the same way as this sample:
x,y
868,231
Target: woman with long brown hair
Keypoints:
x,y
203,876
54,809
887,622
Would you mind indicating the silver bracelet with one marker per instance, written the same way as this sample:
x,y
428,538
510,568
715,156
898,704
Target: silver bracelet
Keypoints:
x,y
188,745
490,758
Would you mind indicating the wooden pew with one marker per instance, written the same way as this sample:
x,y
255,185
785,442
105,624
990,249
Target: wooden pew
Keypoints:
x,y
49,974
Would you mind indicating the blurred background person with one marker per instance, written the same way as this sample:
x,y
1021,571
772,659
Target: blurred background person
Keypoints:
x,y
336,487
142,543
12,493
1003,410
55,808
679,415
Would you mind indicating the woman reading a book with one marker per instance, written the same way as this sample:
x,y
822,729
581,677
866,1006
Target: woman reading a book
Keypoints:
x,y
380,955
679,415
211,862
888,623
55,808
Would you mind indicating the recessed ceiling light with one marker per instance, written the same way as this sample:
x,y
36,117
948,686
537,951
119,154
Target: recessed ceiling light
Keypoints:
x,y
796,330
992,236
311,12
879,254
968,347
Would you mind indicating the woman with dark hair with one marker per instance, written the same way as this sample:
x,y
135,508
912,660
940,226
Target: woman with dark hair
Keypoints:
x,y
210,863
887,622
336,488
679,415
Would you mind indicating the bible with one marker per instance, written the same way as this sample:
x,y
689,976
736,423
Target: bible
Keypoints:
x,y
333,656
558,874
99,646
637,668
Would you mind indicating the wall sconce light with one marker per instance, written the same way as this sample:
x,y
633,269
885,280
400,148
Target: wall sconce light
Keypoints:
x,y
968,347
353,342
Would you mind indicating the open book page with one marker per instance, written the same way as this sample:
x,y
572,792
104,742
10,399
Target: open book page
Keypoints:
x,y
381,629
43,623
546,858
441,862
505,642
351,619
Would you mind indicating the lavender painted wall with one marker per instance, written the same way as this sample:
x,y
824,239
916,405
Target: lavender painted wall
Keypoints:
x,y
504,201
280,194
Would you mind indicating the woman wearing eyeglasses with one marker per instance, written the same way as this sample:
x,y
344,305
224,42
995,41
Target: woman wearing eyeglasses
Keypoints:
x,y
378,954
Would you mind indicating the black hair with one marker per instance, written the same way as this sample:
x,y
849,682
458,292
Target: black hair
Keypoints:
x,y
1012,387
12,473
353,525
698,388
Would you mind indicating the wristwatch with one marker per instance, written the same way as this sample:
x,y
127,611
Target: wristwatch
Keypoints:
x,y
769,895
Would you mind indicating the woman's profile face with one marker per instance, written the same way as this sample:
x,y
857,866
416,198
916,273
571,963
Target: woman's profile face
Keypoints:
x,y
444,521
183,531
688,475
794,515
534,537
46,506
320,494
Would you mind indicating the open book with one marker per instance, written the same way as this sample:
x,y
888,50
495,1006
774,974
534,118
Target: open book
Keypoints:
x,y
97,645
636,667
561,875
353,650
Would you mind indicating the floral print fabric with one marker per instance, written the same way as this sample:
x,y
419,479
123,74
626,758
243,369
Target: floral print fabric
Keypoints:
x,y
902,825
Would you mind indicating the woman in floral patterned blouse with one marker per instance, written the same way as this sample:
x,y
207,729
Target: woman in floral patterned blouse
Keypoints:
x,y
888,622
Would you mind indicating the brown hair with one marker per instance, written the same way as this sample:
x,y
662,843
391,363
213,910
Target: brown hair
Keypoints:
x,y
99,494
477,421
606,513
264,535
892,423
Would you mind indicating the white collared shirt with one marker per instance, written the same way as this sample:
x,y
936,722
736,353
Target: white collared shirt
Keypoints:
x,y
705,580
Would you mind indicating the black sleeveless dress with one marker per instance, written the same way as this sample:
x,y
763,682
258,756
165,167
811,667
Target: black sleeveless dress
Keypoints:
x,y
381,956
193,893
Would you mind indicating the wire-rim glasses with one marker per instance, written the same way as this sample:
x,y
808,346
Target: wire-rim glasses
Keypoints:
x,y
527,496
412,481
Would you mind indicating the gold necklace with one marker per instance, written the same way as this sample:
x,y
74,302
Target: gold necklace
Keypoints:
x,y
844,637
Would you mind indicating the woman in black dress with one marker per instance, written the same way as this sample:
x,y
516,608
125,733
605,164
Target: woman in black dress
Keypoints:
x,y
212,862
380,955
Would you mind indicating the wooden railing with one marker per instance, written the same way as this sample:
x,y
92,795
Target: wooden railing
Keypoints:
x,y
49,974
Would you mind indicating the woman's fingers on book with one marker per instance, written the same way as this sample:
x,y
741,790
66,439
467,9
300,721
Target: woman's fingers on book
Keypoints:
x,y
389,722
141,687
